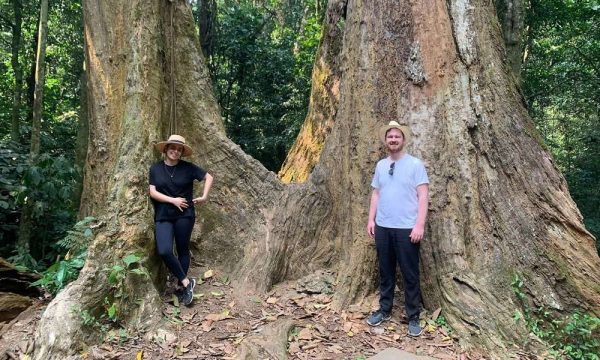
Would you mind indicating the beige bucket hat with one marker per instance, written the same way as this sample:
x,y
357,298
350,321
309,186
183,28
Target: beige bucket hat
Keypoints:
x,y
174,139
394,125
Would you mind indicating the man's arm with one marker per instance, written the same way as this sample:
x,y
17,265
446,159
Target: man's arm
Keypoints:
x,y
423,200
372,212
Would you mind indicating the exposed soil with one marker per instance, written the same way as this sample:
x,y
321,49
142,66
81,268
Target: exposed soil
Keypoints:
x,y
296,318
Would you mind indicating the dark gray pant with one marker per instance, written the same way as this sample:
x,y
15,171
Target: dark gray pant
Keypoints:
x,y
394,246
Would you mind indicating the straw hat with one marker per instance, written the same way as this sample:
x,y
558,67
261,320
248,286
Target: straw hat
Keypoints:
x,y
394,125
174,139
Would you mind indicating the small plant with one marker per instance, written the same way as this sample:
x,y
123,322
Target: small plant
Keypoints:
x,y
117,275
574,336
62,272
442,322
57,276
108,319
91,321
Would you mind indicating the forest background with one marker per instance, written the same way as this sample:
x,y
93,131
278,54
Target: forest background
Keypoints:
x,y
260,55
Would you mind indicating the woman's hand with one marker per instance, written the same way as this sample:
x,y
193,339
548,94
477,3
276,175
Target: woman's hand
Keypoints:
x,y
200,200
180,203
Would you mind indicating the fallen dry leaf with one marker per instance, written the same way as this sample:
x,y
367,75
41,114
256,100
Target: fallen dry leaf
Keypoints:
x,y
206,325
305,334
294,347
431,328
444,356
347,326
436,313
208,274
377,331
336,349
272,300
218,317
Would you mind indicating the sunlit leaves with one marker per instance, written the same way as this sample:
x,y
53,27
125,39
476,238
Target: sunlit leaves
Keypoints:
x,y
261,66
561,77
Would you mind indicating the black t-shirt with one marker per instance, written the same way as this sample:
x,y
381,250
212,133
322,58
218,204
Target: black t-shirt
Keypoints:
x,y
174,181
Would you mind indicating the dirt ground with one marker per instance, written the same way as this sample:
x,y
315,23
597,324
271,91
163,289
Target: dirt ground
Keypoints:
x,y
296,319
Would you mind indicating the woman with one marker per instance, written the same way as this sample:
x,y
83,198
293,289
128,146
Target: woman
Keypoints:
x,y
171,190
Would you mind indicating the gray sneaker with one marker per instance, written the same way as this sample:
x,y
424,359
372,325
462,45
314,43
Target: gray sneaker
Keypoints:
x,y
414,329
378,317
188,293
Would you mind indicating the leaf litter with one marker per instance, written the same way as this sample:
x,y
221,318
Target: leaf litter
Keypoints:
x,y
215,326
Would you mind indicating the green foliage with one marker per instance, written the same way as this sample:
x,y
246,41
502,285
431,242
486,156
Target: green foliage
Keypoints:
x,y
118,299
11,169
57,276
261,66
560,81
442,322
48,185
574,336
62,272
109,319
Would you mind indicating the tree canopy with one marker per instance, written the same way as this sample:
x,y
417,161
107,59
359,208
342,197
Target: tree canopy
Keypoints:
x,y
561,78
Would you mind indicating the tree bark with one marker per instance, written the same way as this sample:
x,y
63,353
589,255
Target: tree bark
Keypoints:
x,y
26,220
81,143
18,71
38,96
207,18
499,206
511,14
324,99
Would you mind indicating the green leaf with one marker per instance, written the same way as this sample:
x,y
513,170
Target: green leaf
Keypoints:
x,y
112,312
141,272
114,274
131,259
61,273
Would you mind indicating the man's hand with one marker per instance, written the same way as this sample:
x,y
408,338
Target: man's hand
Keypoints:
x,y
416,234
371,228
180,203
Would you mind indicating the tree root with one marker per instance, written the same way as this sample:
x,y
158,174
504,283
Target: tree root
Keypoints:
x,y
271,343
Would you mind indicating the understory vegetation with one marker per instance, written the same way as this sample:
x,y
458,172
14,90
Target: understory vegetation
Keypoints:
x,y
573,336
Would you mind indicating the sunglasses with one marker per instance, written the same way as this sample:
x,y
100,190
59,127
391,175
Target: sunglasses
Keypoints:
x,y
391,171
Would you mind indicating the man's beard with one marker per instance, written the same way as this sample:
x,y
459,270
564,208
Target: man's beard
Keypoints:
x,y
396,149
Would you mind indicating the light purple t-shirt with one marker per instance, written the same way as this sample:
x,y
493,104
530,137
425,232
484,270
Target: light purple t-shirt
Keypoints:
x,y
398,204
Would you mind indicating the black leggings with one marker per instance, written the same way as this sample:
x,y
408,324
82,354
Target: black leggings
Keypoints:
x,y
180,230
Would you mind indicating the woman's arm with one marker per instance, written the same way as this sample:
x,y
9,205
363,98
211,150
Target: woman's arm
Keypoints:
x,y
208,180
179,202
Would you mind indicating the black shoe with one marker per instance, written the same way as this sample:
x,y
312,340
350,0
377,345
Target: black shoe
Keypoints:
x,y
179,293
188,293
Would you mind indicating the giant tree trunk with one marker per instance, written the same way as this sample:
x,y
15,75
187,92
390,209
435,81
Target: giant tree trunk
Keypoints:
x,y
498,205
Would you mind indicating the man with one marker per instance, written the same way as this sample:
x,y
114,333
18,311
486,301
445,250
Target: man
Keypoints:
x,y
397,216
